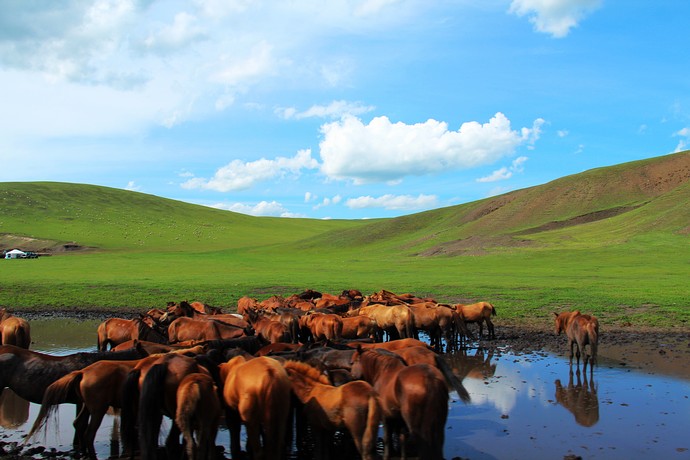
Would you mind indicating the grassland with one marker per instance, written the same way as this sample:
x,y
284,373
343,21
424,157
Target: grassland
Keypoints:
x,y
611,241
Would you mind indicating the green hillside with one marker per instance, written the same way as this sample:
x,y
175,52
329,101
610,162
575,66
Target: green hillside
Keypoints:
x,y
612,241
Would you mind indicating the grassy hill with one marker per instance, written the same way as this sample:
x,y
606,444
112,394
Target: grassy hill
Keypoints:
x,y
612,241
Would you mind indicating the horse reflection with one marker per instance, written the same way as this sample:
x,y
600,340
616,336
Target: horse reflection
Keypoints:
x,y
477,366
580,399
14,411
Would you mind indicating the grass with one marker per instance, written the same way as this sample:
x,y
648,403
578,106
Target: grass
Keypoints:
x,y
631,268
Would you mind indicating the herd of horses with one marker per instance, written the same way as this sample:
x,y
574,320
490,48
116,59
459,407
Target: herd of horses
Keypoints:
x,y
292,371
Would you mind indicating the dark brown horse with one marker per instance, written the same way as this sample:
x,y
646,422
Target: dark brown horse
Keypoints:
x,y
353,407
581,330
414,400
198,415
14,330
149,393
114,331
257,394
28,373
480,313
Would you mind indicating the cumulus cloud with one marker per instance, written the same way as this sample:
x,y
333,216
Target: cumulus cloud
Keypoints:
x,y
383,151
329,201
263,208
505,172
131,186
335,109
240,175
395,202
554,17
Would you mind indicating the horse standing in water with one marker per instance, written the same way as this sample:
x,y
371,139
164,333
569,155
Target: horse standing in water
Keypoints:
x,y
14,330
414,401
198,415
581,330
114,331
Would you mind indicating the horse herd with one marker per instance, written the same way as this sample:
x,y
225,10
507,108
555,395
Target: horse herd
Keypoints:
x,y
292,371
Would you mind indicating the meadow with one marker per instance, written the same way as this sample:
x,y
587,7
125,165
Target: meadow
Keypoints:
x,y
627,260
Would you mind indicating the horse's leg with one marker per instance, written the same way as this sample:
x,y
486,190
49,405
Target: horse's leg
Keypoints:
x,y
172,442
80,424
254,440
234,423
490,327
90,435
387,439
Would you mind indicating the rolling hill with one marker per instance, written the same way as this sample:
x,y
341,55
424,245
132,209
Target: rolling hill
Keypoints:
x,y
597,207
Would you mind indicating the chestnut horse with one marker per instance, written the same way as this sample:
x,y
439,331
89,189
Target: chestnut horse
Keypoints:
x,y
149,393
414,401
323,326
353,407
581,330
185,329
198,415
114,331
268,329
257,393
480,313
360,327
14,330
397,320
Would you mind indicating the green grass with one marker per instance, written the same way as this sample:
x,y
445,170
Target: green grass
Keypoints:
x,y
632,268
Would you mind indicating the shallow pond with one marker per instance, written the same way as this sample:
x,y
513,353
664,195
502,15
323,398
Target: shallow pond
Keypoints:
x,y
523,406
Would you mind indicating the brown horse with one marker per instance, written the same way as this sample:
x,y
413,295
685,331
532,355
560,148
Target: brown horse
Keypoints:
x,y
581,399
97,387
480,313
149,393
414,400
198,415
272,331
398,320
185,329
581,330
14,330
439,323
353,407
114,331
323,326
360,327
257,394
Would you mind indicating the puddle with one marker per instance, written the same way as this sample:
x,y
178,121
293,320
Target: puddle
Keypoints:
x,y
523,405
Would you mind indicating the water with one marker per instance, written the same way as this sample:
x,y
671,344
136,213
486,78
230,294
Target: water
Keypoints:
x,y
524,406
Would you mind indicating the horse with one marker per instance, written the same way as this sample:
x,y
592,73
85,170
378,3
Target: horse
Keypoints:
x,y
397,320
114,331
477,366
198,415
360,327
414,401
480,313
439,323
353,407
323,326
28,373
581,330
150,392
14,330
257,394
581,399
97,387
198,310
185,329
269,330
14,411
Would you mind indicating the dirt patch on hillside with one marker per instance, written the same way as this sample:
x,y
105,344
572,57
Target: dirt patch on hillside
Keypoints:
x,y
9,241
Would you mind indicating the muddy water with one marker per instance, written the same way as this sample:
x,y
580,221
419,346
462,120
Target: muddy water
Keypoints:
x,y
524,406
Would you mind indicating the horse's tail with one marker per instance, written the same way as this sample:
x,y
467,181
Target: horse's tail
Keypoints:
x,y
65,389
493,310
452,379
410,326
593,331
102,341
128,413
276,419
150,410
372,428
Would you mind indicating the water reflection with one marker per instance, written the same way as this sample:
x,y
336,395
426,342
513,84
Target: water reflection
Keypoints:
x,y
14,411
580,399
478,365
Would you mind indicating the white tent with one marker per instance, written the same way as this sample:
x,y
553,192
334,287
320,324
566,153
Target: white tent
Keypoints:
x,y
14,254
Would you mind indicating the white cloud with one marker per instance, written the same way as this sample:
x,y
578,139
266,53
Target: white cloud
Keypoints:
x,y
382,151
263,208
184,31
562,132
554,17
685,141
335,109
131,186
240,175
397,202
329,201
505,172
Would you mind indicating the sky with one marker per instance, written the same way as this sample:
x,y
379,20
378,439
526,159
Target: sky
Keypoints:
x,y
346,109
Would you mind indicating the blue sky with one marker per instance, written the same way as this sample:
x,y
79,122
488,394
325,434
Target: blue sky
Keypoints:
x,y
340,109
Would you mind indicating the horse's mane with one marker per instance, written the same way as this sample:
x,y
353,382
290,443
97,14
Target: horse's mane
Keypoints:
x,y
383,357
307,371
